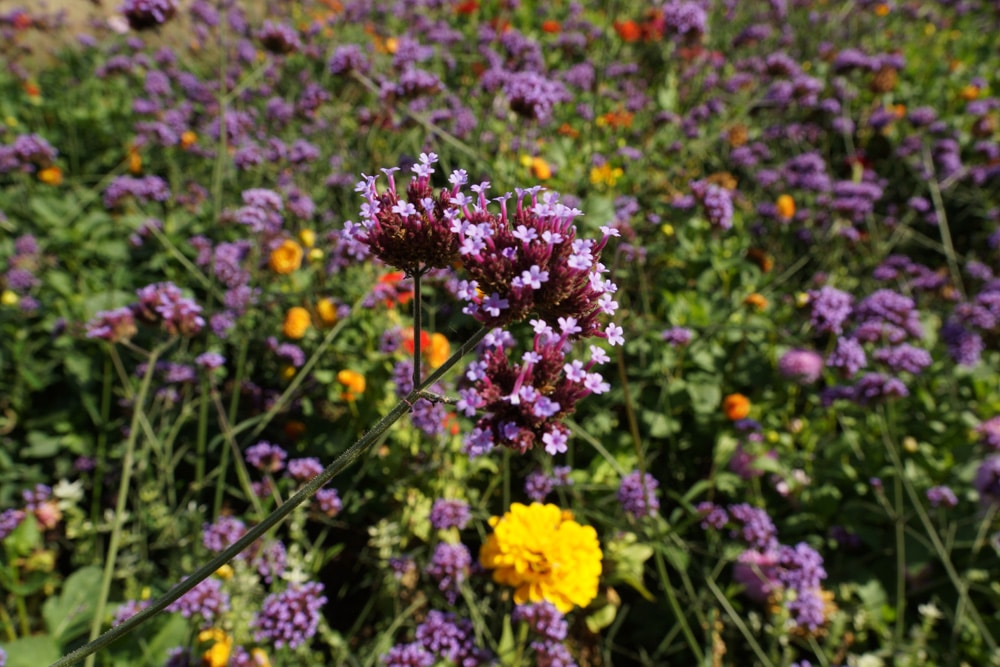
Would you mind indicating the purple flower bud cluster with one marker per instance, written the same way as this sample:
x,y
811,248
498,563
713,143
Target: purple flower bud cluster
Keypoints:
x,y
989,433
543,619
414,233
449,567
207,600
539,484
941,496
303,470
279,37
533,95
27,153
328,501
450,514
266,457
522,403
637,495
453,639
10,519
408,655
987,480
142,189
163,304
801,366
768,566
290,618
113,326
145,14
717,202
677,336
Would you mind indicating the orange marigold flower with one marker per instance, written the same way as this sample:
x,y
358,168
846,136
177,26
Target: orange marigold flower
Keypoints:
x,y
755,300
438,351
736,407
629,31
354,384
969,93
297,322
188,139
286,258
540,169
882,9
31,89
785,206
134,160
551,26
50,176
466,7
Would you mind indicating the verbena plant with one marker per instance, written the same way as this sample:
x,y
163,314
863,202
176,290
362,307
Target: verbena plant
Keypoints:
x,y
210,314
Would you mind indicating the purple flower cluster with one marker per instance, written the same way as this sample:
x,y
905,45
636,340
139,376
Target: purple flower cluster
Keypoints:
x,y
450,514
27,153
768,566
524,402
543,619
142,190
539,484
637,495
717,202
207,601
145,14
449,567
290,618
266,457
453,639
802,366
163,305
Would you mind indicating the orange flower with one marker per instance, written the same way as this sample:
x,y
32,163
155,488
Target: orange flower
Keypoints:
x,y
326,309
551,26
881,9
354,384
188,139
50,176
297,322
760,257
467,7
286,258
294,429
969,93
785,206
540,169
567,130
134,160
402,296
31,89
438,351
756,300
629,31
736,407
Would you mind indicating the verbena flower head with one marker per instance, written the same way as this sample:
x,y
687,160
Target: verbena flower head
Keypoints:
x,y
637,494
451,638
522,403
207,600
291,617
544,554
145,14
543,618
412,232
802,366
449,567
450,513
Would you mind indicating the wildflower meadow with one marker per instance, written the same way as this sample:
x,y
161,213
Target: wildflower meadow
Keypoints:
x,y
428,333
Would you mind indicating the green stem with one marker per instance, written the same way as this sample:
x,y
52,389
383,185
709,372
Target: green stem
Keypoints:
x,y
356,451
734,616
668,588
123,490
102,441
900,524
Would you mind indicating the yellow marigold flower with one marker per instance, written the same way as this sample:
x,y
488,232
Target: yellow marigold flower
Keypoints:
x,y
297,322
354,383
543,554
308,237
736,407
440,350
218,654
287,372
605,174
882,9
785,206
188,139
540,169
326,309
224,572
50,175
286,258
969,92
9,298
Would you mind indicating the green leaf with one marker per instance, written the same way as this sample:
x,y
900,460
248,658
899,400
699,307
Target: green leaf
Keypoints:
x,y
68,615
705,396
25,538
601,618
32,651
41,446
507,649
